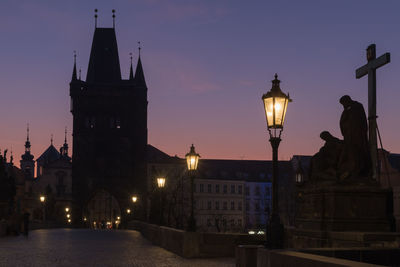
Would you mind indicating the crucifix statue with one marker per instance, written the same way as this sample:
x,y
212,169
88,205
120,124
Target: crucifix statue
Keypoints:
x,y
370,69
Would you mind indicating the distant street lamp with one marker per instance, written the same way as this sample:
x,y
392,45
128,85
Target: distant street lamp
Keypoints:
x,y
192,160
161,184
128,211
66,209
299,174
134,199
42,199
275,105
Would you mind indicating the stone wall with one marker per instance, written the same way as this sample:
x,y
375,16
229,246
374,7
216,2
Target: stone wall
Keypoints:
x,y
194,244
276,258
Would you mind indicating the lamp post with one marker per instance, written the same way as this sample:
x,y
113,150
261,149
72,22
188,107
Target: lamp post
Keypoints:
x,y
42,199
275,105
192,160
160,185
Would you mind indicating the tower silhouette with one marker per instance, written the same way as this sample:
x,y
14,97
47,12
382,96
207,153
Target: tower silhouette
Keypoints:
x,y
109,126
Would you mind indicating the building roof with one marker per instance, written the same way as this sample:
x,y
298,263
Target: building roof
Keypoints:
x,y
104,64
225,169
51,154
154,155
245,170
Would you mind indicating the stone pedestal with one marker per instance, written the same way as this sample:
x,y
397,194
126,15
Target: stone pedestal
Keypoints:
x,y
325,210
344,208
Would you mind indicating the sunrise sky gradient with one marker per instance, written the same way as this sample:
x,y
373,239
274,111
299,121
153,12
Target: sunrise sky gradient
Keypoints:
x,y
207,64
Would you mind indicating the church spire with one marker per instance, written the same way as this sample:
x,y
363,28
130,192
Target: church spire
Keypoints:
x,y
27,143
74,76
64,149
131,69
139,74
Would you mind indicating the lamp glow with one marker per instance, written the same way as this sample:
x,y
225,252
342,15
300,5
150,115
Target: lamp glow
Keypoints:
x,y
160,182
134,199
42,199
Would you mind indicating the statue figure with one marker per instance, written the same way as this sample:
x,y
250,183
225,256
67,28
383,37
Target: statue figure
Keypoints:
x,y
323,164
348,158
355,159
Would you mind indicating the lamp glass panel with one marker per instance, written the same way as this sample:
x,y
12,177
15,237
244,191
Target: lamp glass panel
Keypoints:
x,y
192,161
268,106
280,110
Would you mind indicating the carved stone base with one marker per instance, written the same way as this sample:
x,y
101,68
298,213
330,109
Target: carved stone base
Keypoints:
x,y
362,208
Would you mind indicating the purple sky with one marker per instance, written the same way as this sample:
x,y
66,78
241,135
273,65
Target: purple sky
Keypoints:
x,y
207,64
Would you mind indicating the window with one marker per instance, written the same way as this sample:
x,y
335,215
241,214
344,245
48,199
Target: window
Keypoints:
x,y
240,205
224,222
225,189
209,188
240,222
247,205
90,122
247,191
232,205
217,205
240,189
232,222
225,205
217,188
257,190
208,222
257,206
233,189
118,123
209,205
201,188
267,191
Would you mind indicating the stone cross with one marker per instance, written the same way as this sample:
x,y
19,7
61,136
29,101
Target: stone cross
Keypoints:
x,y
370,69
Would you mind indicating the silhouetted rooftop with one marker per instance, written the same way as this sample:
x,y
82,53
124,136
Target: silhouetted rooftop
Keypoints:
x,y
51,154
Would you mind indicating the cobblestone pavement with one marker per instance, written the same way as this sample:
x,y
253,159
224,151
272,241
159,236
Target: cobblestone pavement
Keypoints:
x,y
81,247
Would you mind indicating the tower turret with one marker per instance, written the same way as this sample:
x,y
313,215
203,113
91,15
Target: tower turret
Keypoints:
x,y
27,163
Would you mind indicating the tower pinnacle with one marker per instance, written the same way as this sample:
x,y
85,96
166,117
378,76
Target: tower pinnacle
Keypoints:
x,y
74,77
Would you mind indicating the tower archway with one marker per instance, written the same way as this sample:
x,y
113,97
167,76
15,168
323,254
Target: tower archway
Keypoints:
x,y
103,210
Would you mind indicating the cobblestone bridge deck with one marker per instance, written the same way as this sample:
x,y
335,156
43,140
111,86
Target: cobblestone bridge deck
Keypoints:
x,y
81,247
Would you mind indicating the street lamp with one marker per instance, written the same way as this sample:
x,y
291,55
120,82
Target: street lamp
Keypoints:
x,y
161,184
66,209
42,199
275,105
128,211
192,160
299,176
134,199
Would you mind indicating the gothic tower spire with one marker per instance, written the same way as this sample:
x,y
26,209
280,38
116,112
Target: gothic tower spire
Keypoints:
x,y
74,76
131,69
139,74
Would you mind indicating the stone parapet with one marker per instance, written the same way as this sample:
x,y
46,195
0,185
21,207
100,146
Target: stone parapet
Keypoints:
x,y
194,244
